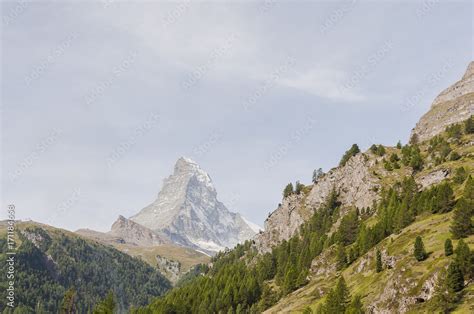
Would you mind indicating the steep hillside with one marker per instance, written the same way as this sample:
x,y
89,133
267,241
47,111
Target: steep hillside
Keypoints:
x,y
173,261
389,230
51,261
453,105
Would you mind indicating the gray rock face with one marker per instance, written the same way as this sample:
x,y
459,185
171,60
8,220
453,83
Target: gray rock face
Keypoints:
x,y
453,105
133,233
356,187
188,212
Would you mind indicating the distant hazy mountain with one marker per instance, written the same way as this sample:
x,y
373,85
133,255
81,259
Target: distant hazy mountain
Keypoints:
x,y
188,212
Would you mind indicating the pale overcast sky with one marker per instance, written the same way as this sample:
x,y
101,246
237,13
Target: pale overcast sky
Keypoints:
x,y
99,99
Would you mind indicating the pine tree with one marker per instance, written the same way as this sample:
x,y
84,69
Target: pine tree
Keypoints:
x,y
460,175
290,279
448,247
378,262
416,162
399,145
69,302
469,125
106,306
354,150
298,187
420,253
356,306
461,226
288,190
444,199
454,278
443,298
342,294
463,258
341,257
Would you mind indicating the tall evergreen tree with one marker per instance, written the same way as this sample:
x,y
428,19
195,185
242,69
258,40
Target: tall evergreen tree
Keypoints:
x,y
106,306
378,261
448,247
454,278
356,306
464,258
354,150
469,125
461,226
419,252
68,305
341,257
288,190
443,298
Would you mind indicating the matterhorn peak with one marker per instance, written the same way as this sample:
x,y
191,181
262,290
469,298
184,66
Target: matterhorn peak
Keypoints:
x,y
188,212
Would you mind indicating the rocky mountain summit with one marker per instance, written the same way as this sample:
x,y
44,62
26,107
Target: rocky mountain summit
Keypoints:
x,y
453,105
188,212
134,233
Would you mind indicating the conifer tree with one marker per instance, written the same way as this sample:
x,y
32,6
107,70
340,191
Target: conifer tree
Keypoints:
x,y
461,226
106,306
469,125
416,162
448,247
443,298
343,295
454,278
464,259
419,252
341,257
356,306
354,150
288,190
378,262
69,302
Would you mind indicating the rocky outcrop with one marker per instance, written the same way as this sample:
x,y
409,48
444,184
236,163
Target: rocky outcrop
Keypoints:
x,y
432,178
133,233
282,223
453,105
171,269
188,212
354,182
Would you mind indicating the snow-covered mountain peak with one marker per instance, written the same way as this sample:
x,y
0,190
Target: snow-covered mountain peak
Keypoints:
x,y
188,211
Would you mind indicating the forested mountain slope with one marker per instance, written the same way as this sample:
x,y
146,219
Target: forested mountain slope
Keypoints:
x,y
54,266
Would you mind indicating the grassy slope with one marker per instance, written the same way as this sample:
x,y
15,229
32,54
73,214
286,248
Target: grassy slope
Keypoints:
x,y
407,273
187,257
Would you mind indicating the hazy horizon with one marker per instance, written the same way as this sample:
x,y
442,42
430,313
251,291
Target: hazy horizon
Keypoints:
x,y
100,99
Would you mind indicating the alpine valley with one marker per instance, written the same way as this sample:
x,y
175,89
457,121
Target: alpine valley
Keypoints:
x,y
388,230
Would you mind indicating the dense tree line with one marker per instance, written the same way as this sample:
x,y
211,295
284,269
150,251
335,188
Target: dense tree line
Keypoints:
x,y
67,272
